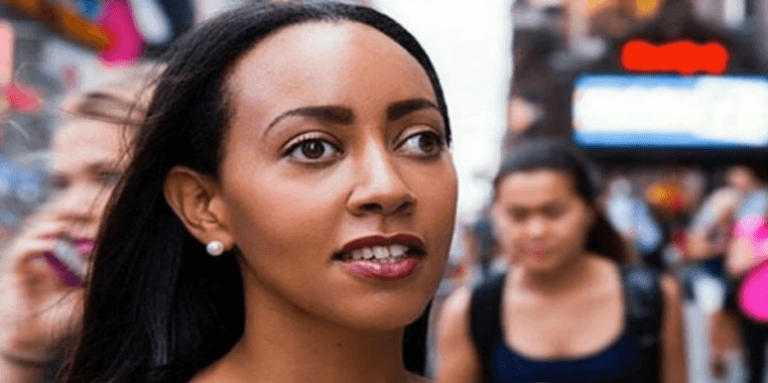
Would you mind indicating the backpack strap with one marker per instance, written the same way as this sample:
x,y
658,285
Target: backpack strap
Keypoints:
x,y
644,310
485,319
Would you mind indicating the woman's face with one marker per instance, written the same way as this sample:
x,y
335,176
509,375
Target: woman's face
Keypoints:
x,y
85,169
741,178
541,222
336,150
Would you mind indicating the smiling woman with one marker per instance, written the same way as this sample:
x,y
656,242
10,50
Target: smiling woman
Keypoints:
x,y
306,148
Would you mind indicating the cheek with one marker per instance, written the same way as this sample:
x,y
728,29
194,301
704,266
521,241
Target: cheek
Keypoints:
x,y
284,220
572,229
435,213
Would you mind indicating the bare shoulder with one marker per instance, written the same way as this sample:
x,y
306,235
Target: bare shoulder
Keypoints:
x,y
453,322
457,304
670,289
458,360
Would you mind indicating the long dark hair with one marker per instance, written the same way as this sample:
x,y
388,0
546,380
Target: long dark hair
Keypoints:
x,y
158,308
547,154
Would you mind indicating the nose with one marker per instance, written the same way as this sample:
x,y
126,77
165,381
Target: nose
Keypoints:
x,y
77,204
379,187
536,227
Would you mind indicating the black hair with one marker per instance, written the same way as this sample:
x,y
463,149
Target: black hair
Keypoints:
x,y
561,156
758,171
158,308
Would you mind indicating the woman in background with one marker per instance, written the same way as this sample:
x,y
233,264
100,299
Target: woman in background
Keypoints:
x,y
42,301
288,210
747,255
569,309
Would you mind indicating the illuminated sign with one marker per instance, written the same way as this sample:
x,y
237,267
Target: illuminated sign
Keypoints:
x,y
112,32
64,19
684,57
671,111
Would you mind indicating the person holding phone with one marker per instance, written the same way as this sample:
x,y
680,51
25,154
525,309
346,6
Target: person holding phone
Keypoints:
x,y
746,255
43,268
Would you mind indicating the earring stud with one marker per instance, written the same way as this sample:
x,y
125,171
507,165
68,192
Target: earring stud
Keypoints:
x,y
215,248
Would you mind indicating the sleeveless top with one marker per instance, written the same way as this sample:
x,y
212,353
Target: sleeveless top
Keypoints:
x,y
632,358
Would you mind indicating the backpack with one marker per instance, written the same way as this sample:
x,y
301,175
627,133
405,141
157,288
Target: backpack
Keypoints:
x,y
644,309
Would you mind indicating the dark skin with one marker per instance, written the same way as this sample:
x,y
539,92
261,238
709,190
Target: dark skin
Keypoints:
x,y
542,221
335,136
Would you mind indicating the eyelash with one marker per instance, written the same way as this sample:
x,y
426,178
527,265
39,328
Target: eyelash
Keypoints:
x,y
297,144
440,142
306,139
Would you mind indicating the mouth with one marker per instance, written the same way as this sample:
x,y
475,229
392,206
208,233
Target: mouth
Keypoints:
x,y
383,258
382,249
85,246
538,252
68,260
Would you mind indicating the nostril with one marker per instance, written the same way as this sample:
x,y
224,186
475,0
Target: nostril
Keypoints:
x,y
405,208
373,207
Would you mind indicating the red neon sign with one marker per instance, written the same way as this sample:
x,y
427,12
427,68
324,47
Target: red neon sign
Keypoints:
x,y
684,57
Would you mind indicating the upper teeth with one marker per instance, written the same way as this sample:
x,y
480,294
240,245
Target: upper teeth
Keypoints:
x,y
379,252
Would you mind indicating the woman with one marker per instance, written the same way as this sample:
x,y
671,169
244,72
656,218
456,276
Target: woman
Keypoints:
x,y
744,257
42,302
288,210
568,310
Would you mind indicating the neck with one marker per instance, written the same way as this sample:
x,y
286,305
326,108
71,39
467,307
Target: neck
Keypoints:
x,y
284,343
568,277
751,189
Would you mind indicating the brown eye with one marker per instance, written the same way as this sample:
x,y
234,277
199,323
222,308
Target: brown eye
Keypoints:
x,y
429,143
554,212
313,150
424,144
108,177
517,215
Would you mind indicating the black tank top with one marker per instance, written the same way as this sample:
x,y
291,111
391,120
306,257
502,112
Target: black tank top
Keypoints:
x,y
632,358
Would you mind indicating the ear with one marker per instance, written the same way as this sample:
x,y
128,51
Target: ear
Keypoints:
x,y
197,201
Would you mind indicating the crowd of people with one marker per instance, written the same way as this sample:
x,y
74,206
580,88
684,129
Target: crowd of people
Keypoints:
x,y
275,199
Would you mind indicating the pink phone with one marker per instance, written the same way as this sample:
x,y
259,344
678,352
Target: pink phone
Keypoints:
x,y
66,260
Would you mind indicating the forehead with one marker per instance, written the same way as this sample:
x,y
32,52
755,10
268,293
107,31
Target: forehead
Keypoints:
x,y
320,63
536,187
84,141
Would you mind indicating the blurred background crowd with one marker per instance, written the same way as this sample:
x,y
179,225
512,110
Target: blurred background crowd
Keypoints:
x,y
683,158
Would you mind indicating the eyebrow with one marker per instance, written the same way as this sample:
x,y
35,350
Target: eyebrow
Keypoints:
x,y
100,166
337,115
341,115
103,166
547,205
400,109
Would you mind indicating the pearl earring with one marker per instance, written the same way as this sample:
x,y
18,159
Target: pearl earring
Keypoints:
x,y
215,248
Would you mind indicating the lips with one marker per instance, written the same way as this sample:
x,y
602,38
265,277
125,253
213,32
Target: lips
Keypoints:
x,y
537,252
85,246
378,240
382,258
384,271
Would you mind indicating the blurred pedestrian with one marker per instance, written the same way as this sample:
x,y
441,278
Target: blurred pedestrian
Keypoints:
x,y
744,257
288,211
632,217
570,309
41,296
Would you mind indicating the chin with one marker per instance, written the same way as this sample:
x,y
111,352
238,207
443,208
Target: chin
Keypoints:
x,y
542,265
387,316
